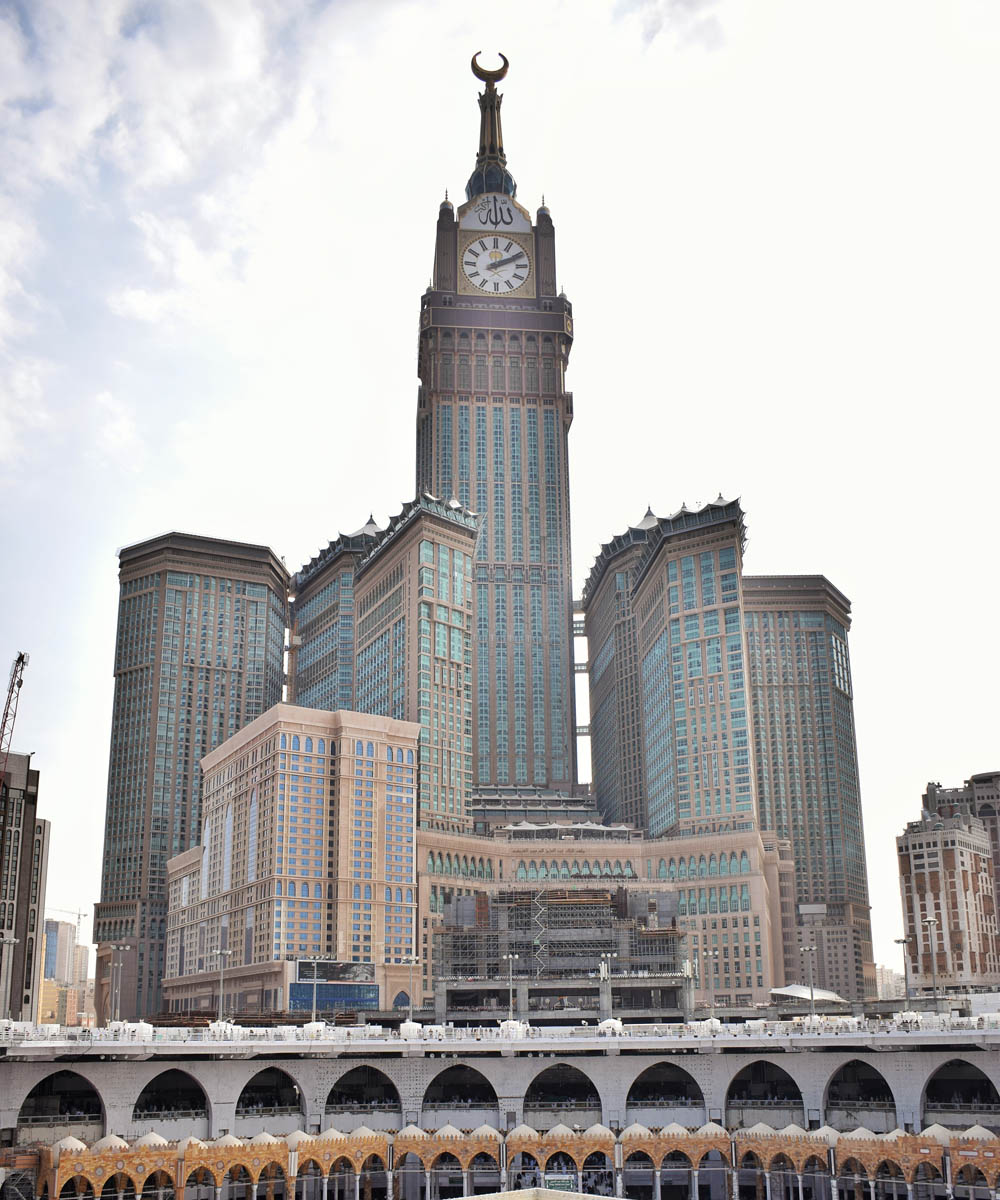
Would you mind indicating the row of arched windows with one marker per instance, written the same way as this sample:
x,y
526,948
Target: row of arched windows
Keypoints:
x,y
297,744
710,900
471,868
398,752
366,894
567,870
689,868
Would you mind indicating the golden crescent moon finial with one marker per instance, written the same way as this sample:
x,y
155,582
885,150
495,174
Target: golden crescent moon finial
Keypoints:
x,y
489,77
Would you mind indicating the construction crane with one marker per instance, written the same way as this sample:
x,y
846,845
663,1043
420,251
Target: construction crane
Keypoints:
x,y
71,912
10,709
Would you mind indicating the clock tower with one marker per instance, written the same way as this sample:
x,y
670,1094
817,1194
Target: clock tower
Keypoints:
x,y
493,421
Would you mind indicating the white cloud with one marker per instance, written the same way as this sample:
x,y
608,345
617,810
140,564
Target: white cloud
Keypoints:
x,y
116,438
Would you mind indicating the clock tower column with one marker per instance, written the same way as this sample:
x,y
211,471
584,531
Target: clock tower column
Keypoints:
x,y
492,430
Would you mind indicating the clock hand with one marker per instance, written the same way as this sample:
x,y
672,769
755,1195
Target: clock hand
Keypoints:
x,y
504,262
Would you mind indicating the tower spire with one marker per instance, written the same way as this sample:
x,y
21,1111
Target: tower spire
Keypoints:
x,y
491,174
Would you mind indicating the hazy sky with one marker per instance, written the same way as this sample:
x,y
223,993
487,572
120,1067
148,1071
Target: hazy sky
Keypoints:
x,y
777,221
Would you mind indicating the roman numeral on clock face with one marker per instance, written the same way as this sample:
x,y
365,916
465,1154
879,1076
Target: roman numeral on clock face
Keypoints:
x,y
483,244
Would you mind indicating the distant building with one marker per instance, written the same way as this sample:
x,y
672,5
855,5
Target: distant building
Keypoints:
x,y
24,853
415,612
806,761
307,852
200,652
890,984
978,797
60,951
949,904
321,650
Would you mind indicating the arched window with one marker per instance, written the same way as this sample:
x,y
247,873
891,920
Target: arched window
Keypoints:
x,y
317,893
284,741
522,870
277,887
585,868
713,903
489,868
564,870
617,869
321,746
399,754
734,900
227,848
295,741
430,860
672,870
291,887
713,865
532,870
692,870
357,891
744,863
388,754
368,891
574,867
369,751
409,895
399,895
745,897
595,867
409,756
309,745
440,864
683,871
702,867
388,895
359,748
682,905
723,864
661,870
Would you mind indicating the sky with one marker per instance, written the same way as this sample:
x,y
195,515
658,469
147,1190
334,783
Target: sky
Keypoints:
x,y
777,223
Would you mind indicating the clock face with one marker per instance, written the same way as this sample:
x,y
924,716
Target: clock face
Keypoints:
x,y
496,265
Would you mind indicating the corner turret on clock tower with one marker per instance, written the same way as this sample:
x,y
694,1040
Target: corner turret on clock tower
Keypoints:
x,y
493,421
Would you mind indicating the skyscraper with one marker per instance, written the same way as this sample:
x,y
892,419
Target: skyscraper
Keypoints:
x,y
613,672
689,618
24,857
321,651
201,630
806,759
414,646
493,420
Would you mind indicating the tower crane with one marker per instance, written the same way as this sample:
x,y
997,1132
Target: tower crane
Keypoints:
x,y
10,708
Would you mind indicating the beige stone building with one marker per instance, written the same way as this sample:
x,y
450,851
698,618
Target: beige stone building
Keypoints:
x,y
737,914
949,907
307,854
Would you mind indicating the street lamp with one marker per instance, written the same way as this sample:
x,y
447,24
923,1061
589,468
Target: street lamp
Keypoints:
x,y
315,960
709,957
116,979
223,955
930,924
812,991
906,966
412,963
511,959
5,980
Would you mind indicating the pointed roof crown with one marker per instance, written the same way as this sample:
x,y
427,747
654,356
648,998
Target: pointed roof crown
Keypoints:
x,y
491,174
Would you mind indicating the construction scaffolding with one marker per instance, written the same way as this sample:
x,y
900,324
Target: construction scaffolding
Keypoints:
x,y
560,934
